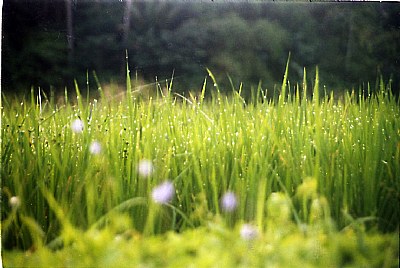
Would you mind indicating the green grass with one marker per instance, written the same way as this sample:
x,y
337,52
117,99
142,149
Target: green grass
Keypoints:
x,y
317,177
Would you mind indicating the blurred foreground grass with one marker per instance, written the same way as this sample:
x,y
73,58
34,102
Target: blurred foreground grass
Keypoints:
x,y
218,246
302,180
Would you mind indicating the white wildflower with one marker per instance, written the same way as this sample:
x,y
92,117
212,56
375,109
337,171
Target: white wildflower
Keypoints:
x,y
229,202
163,193
145,168
95,148
248,232
77,126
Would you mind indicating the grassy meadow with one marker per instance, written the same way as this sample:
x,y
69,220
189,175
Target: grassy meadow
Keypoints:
x,y
303,180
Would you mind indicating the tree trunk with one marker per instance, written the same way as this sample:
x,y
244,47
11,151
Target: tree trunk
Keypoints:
x,y
125,32
127,20
70,30
350,43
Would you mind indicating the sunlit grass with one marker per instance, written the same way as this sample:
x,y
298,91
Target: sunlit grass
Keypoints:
x,y
285,175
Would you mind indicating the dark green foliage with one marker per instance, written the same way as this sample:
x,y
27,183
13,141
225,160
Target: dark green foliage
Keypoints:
x,y
352,44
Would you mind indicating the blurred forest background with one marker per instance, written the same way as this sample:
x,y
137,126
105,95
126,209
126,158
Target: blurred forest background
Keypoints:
x,y
48,44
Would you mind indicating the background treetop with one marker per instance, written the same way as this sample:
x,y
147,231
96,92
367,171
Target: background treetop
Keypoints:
x,y
51,43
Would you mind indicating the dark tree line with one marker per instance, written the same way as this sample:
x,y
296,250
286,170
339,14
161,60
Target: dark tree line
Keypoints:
x,y
49,43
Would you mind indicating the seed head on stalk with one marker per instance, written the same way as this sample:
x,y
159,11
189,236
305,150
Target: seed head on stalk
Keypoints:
x,y
15,202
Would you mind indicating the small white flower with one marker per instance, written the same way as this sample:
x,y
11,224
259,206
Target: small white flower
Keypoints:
x,y
163,193
15,202
95,148
229,202
145,168
248,232
77,126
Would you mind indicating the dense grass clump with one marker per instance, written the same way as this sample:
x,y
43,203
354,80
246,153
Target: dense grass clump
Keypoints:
x,y
93,178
